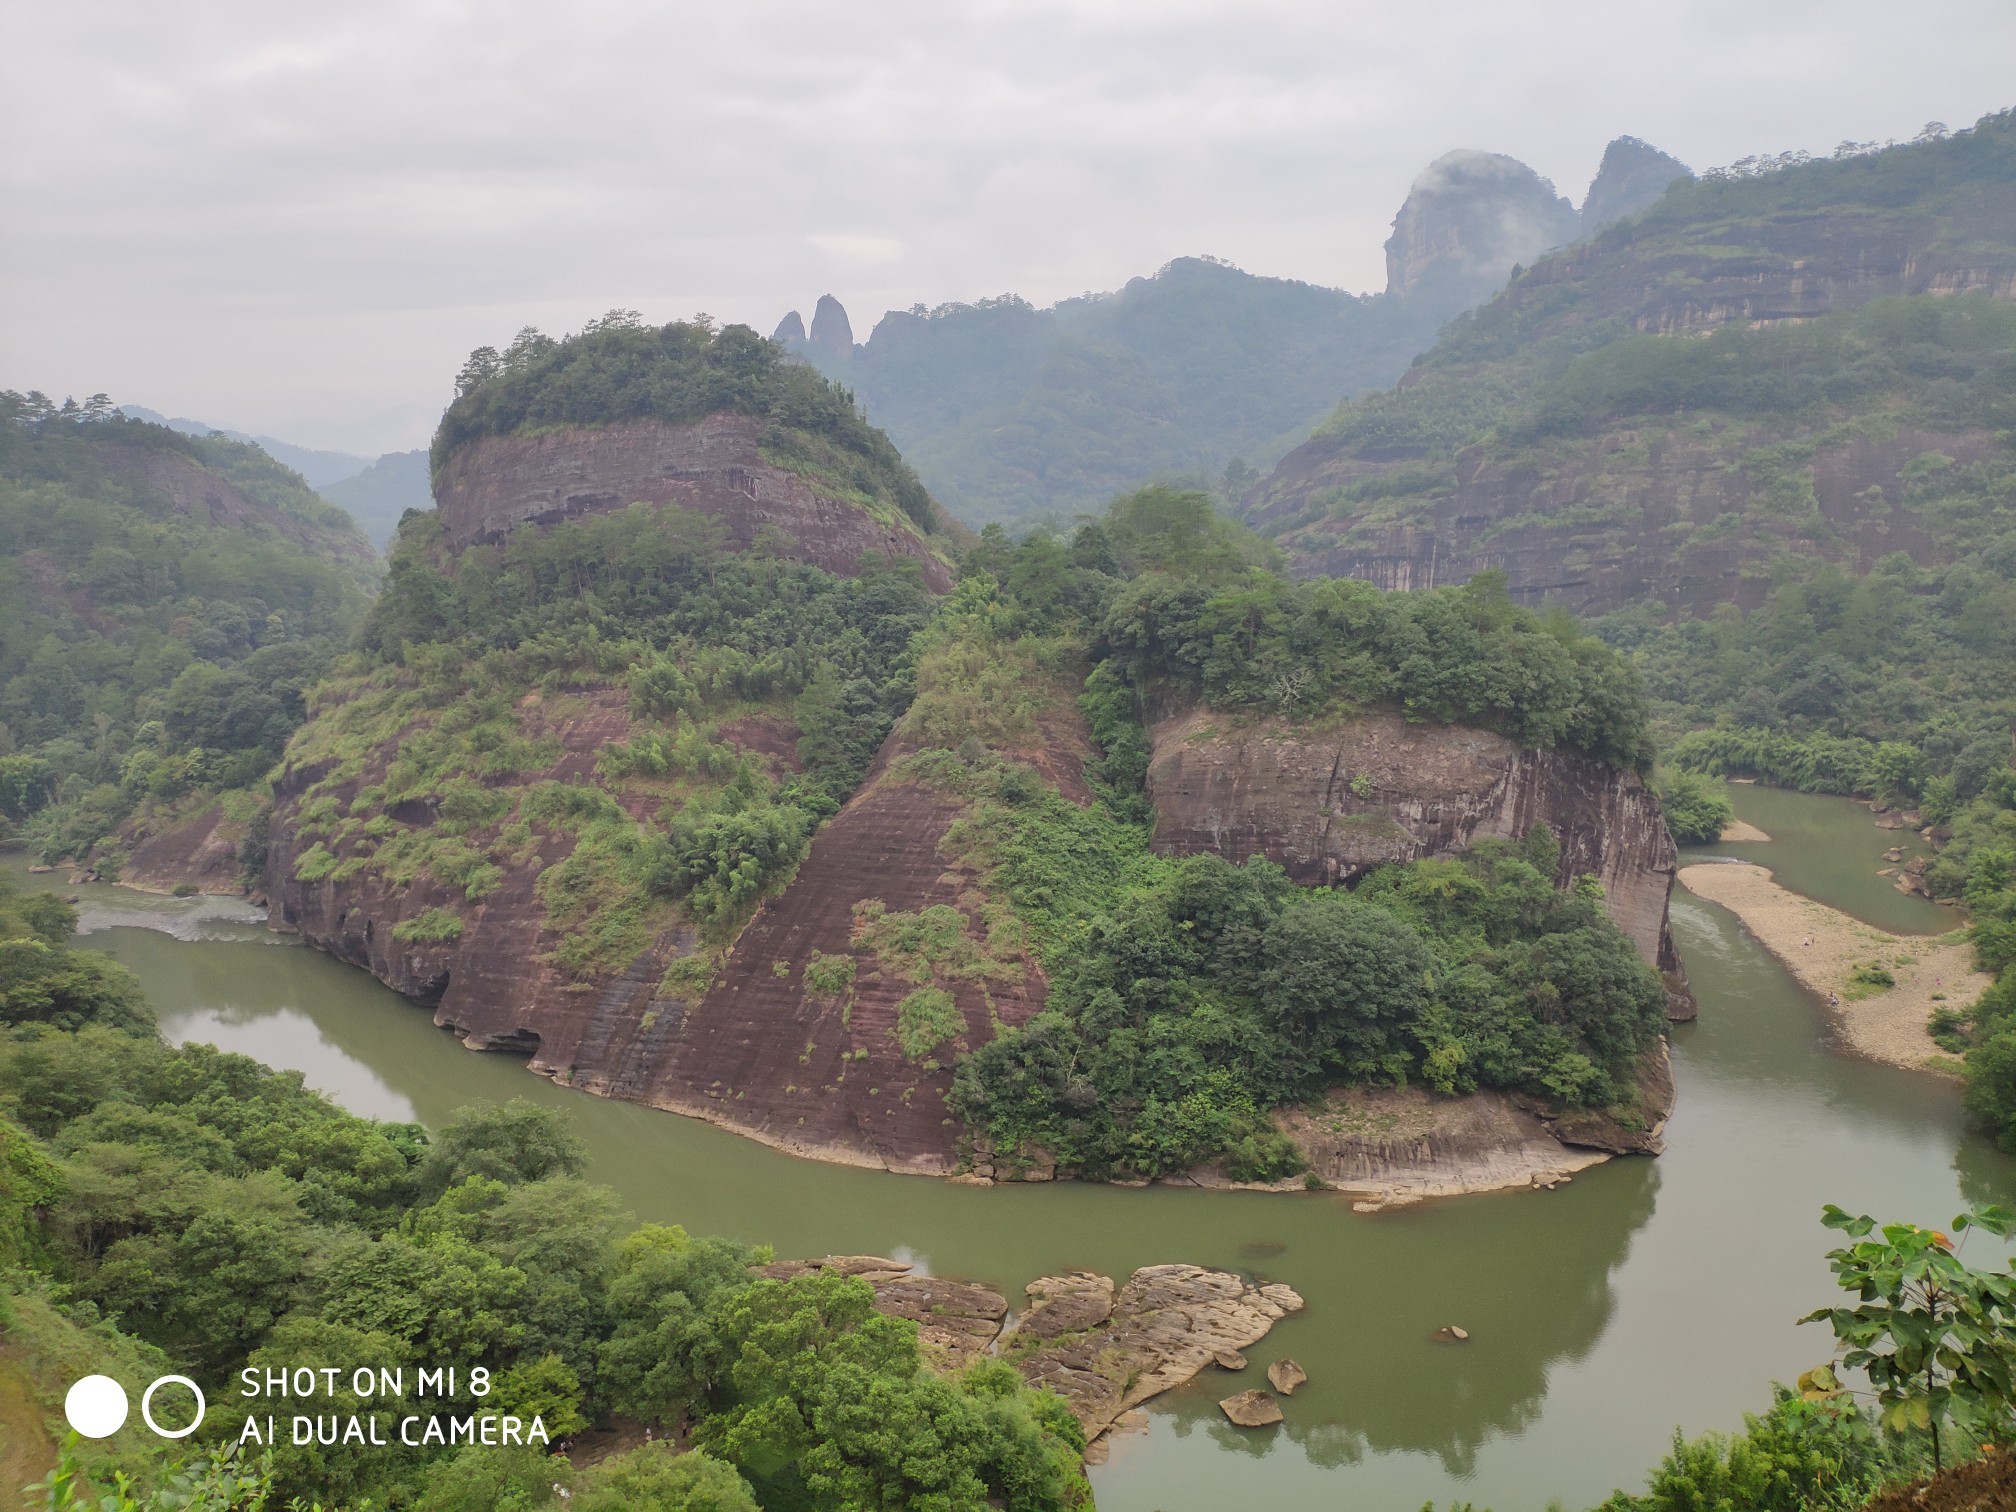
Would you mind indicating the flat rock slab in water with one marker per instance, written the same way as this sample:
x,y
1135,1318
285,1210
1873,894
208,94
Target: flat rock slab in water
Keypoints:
x,y
1251,1409
1285,1376
1229,1359
1105,1352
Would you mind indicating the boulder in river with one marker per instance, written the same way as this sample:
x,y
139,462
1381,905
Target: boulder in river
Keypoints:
x,y
1229,1359
1285,1376
1251,1409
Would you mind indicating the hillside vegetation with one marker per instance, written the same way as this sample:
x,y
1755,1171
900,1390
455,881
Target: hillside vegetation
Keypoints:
x,y
151,656
1013,413
182,1209
1757,376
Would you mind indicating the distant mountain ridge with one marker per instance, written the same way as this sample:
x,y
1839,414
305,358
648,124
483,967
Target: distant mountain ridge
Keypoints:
x,y
317,466
375,493
1841,406
1018,414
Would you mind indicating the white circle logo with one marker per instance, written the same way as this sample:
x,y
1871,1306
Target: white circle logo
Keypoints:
x,y
147,1400
96,1406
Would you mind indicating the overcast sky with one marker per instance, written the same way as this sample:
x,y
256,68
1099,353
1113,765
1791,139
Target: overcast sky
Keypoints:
x,y
298,219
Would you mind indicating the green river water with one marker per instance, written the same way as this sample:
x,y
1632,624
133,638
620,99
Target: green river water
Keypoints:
x,y
1645,1295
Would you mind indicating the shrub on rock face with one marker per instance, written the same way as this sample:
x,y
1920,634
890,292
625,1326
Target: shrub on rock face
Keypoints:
x,y
926,1019
1697,808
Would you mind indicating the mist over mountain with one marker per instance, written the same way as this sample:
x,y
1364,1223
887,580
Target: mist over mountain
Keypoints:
x,y
1470,217
1631,177
316,466
382,492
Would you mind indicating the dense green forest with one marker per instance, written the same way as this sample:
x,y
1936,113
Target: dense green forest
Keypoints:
x,y
148,659
189,1210
1815,412
1015,414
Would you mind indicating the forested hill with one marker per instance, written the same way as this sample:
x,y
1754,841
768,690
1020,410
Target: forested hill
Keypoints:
x,y
1014,413
1768,364
165,600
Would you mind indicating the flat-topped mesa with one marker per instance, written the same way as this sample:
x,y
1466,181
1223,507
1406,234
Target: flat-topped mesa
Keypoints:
x,y
1331,802
718,421
490,486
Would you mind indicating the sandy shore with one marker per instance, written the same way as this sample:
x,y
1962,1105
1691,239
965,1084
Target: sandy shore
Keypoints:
x,y
1887,1025
1741,830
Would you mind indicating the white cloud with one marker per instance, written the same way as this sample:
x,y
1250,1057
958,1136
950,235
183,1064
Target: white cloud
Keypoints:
x,y
306,216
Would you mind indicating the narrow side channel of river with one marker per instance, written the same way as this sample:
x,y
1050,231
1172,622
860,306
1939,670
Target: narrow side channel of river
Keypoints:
x,y
1646,1294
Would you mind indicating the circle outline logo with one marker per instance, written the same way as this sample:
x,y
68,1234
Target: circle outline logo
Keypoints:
x,y
147,1402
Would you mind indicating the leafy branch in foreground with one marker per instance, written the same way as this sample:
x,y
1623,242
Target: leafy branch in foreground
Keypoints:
x,y
1936,1337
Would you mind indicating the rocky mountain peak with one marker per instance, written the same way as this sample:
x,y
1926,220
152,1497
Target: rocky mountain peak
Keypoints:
x,y
830,327
1632,175
1469,219
790,330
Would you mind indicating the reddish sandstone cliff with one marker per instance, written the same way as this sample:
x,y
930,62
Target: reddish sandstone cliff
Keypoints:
x,y
716,466
755,1048
1331,802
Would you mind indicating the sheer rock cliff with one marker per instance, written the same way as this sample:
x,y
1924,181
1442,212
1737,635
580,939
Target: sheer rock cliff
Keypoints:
x,y
716,466
1330,802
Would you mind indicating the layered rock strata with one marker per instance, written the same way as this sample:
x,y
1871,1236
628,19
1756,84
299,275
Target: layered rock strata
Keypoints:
x,y
714,466
1633,514
1331,802
755,1048
1106,1352
1386,1147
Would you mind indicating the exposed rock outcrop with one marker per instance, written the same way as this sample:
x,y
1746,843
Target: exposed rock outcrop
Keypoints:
x,y
1387,1147
716,466
823,1074
1251,1409
957,1321
790,330
1632,176
1105,1353
1329,803
831,329
755,1048
201,852
1468,220
1285,1375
